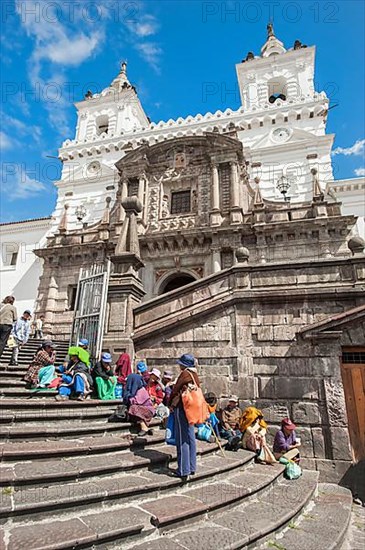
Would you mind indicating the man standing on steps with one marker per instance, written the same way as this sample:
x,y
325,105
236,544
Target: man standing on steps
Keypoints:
x,y
21,332
8,316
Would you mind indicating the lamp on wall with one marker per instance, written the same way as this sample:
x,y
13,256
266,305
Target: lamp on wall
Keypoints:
x,y
283,186
80,212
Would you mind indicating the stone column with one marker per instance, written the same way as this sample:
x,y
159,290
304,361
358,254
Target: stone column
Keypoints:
x,y
215,215
216,261
236,210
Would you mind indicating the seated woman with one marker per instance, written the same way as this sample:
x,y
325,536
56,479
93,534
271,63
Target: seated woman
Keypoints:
x,y
231,415
41,371
103,375
76,378
123,369
154,388
286,443
253,428
138,401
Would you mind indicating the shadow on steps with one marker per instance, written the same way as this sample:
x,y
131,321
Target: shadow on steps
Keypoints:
x,y
354,479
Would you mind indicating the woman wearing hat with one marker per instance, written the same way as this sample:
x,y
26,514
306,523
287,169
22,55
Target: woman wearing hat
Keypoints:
x,y
41,371
154,387
185,434
138,401
76,378
253,428
103,375
286,442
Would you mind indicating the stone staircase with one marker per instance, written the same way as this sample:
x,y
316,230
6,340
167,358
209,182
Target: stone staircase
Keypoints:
x,y
69,479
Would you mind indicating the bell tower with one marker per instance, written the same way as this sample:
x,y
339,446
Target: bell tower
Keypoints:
x,y
285,134
115,110
277,73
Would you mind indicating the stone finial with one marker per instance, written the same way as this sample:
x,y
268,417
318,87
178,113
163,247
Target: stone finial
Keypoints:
x,y
62,227
258,200
317,191
123,67
242,255
106,215
356,245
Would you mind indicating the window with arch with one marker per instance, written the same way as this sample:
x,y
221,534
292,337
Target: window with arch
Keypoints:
x,y
102,124
277,89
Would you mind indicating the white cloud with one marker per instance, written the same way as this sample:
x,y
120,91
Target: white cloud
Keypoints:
x,y
56,47
5,142
26,187
359,172
151,52
17,129
357,148
146,26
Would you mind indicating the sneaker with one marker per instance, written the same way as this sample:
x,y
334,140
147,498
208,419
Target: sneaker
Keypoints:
x,y
142,433
81,397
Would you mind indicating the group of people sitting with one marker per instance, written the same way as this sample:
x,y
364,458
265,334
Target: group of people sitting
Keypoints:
x,y
148,393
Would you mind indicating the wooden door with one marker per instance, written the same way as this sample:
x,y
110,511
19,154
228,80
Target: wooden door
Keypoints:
x,y
353,377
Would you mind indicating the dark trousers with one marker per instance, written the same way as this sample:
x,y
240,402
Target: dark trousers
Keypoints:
x,y
4,335
185,444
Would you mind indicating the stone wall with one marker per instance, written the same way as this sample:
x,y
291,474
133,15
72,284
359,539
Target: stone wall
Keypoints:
x,y
252,347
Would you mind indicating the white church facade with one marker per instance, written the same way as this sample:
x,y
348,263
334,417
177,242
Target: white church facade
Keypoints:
x,y
281,125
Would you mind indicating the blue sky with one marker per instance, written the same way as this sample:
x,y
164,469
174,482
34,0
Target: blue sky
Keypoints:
x,y
53,51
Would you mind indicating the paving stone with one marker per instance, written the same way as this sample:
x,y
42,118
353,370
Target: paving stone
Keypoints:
x,y
253,520
172,509
50,536
208,537
215,495
125,521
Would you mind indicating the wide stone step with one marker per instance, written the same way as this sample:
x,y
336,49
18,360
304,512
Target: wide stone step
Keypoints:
x,y
6,382
142,452
44,417
68,447
81,532
322,527
256,517
104,488
57,430
19,391
41,404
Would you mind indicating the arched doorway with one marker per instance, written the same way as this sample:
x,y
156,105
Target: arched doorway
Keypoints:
x,y
174,281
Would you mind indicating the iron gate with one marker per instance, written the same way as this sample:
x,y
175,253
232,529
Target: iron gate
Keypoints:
x,y
90,307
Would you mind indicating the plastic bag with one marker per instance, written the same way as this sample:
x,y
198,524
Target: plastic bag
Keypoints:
x,y
11,343
170,438
292,469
